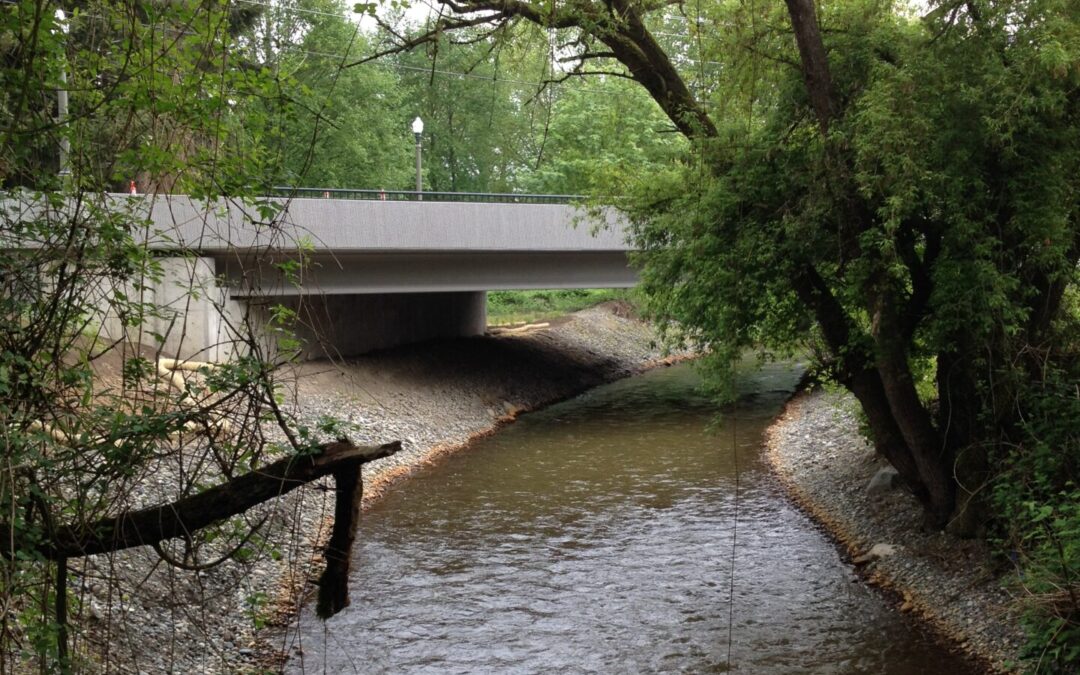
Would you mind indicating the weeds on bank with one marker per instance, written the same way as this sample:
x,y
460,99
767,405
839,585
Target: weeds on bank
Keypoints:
x,y
510,307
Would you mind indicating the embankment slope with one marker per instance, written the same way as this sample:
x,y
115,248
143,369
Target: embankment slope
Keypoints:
x,y
826,465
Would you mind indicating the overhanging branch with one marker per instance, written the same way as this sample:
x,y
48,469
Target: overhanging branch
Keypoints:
x,y
185,516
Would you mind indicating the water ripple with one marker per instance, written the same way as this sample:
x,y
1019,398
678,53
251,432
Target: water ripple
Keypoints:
x,y
595,537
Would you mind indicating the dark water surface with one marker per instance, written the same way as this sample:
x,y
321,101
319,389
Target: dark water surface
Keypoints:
x,y
596,537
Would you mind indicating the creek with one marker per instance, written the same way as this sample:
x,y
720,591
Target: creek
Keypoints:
x,y
597,536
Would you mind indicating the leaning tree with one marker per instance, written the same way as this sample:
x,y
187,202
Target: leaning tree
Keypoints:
x,y
897,193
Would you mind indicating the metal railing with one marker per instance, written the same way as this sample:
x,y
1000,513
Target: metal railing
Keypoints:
x,y
414,196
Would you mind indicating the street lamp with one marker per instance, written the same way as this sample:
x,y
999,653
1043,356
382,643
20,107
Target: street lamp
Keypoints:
x,y
62,109
417,129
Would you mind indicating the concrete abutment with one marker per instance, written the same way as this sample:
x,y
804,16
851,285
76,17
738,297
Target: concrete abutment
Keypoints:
x,y
339,325
195,317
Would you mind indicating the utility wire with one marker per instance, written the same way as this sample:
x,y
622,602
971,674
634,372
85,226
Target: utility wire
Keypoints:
x,y
734,537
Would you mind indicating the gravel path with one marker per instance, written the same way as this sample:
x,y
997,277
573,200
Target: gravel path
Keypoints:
x,y
137,614
826,466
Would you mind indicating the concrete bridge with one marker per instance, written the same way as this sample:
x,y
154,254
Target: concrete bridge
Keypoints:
x,y
364,274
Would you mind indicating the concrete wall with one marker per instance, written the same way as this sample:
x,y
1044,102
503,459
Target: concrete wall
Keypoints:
x,y
193,318
334,326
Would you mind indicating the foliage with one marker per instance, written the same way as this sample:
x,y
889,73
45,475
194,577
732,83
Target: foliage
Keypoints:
x,y
89,429
345,127
1037,498
939,212
482,125
508,307
604,135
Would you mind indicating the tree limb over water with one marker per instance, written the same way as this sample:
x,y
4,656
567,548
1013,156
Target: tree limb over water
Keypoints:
x,y
185,516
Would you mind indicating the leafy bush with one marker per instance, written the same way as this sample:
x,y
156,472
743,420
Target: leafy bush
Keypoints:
x,y
1037,498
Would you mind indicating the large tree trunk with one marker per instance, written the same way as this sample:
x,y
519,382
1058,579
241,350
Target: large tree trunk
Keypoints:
x,y
814,62
901,427
957,418
932,458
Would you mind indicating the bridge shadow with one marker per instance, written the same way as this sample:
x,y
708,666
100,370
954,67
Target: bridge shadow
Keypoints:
x,y
543,365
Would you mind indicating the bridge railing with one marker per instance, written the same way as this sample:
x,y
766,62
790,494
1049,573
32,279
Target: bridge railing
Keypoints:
x,y
414,196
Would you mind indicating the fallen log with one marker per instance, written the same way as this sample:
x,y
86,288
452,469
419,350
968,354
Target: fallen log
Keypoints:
x,y
185,516
182,517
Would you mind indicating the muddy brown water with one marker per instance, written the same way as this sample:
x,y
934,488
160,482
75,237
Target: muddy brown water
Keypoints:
x,y
596,536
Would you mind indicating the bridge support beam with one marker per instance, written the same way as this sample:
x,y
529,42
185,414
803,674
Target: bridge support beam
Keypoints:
x,y
341,325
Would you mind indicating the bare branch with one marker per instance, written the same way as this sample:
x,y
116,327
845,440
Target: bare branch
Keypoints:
x,y
588,55
430,35
617,24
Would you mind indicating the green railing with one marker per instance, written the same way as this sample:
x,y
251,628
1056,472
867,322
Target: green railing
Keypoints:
x,y
414,196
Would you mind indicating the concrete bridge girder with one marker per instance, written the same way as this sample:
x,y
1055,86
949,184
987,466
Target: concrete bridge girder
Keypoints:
x,y
430,272
342,225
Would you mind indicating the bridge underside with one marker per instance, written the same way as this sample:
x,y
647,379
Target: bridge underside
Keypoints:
x,y
353,303
421,272
341,325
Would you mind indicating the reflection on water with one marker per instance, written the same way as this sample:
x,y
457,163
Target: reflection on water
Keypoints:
x,y
596,537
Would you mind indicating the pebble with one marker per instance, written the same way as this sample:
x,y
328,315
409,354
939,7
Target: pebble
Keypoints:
x,y
943,580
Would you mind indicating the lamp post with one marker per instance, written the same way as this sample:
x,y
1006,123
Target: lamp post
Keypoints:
x,y
417,129
62,110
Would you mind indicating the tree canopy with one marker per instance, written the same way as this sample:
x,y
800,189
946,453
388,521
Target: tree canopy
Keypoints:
x,y
901,190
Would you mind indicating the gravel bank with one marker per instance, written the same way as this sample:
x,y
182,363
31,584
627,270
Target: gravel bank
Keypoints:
x,y
815,448
140,615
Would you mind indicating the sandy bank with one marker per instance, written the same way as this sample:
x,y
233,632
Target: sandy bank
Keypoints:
x,y
815,448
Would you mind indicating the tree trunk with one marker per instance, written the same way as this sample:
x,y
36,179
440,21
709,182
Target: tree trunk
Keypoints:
x,y
334,582
957,417
900,426
930,452
814,62
634,46
932,458
888,440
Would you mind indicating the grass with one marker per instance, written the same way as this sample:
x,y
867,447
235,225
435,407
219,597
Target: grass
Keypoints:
x,y
511,307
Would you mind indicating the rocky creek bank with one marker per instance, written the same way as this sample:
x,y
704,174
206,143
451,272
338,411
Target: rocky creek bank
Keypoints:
x,y
142,615
833,473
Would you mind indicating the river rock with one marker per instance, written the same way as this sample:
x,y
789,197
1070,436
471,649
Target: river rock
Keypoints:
x,y
885,480
876,552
